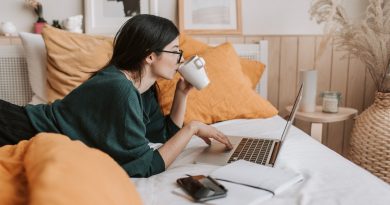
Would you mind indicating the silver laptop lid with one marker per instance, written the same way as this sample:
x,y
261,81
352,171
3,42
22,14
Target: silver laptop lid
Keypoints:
x,y
292,113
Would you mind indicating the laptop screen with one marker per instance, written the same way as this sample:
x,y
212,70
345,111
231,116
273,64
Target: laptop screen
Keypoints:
x,y
292,113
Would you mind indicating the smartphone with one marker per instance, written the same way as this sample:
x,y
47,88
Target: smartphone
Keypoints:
x,y
202,188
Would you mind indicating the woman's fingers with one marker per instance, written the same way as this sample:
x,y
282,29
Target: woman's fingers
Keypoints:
x,y
206,132
220,137
207,140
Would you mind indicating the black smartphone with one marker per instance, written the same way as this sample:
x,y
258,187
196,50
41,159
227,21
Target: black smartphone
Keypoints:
x,y
202,188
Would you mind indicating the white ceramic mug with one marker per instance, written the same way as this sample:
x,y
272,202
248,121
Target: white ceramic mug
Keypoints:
x,y
194,72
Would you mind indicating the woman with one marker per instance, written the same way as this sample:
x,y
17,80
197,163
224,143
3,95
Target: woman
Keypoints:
x,y
116,110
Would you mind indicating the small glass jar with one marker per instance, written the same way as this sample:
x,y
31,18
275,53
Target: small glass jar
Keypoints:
x,y
330,101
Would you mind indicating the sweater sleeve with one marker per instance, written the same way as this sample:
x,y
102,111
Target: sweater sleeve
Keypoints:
x,y
159,128
135,155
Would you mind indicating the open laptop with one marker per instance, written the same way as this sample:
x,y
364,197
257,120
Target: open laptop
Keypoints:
x,y
258,150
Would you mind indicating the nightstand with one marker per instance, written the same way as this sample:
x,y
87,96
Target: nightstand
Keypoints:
x,y
318,117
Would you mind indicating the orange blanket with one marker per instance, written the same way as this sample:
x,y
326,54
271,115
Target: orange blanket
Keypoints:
x,y
52,169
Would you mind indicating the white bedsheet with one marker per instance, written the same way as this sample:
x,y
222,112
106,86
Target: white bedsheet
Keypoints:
x,y
329,178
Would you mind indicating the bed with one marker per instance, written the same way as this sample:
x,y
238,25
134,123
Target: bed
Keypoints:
x,y
328,177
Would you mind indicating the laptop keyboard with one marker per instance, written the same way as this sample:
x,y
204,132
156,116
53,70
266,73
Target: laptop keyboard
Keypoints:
x,y
253,150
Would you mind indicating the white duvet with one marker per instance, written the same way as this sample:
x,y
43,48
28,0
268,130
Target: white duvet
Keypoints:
x,y
329,178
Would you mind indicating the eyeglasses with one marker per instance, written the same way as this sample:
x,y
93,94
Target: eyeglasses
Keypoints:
x,y
180,53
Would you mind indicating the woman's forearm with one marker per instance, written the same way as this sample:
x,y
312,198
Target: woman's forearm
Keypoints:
x,y
172,148
178,108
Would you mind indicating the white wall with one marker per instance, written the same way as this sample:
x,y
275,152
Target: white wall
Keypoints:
x,y
278,17
24,17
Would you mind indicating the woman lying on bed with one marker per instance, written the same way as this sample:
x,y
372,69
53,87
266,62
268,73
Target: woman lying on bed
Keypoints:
x,y
117,110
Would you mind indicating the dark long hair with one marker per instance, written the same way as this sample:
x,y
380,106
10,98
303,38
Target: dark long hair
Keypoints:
x,y
139,37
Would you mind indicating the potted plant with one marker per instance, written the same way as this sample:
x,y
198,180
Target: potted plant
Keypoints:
x,y
368,40
37,6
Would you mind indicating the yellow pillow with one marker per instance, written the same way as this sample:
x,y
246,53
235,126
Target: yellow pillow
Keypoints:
x,y
52,169
72,58
228,96
252,69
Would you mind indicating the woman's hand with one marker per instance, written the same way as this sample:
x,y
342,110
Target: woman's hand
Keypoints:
x,y
172,148
183,87
207,132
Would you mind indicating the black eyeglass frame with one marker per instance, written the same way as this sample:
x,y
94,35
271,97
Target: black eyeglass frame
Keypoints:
x,y
180,53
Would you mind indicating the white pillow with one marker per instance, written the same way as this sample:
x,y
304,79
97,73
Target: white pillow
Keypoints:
x,y
35,51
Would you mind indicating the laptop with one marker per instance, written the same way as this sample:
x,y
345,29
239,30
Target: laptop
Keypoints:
x,y
258,150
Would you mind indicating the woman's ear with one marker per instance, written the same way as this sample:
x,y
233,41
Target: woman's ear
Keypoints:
x,y
150,58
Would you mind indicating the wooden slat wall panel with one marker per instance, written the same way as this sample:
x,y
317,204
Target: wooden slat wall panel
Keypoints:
x,y
306,58
323,67
273,69
339,78
369,92
354,97
288,73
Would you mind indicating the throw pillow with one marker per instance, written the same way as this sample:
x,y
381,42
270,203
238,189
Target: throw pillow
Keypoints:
x,y
35,51
228,96
62,171
252,69
72,58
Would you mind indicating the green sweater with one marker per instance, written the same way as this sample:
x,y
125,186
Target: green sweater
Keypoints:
x,y
107,112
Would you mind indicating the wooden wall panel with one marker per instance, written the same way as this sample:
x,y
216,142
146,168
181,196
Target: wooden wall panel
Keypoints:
x,y
273,69
323,67
354,97
306,58
369,91
288,73
339,78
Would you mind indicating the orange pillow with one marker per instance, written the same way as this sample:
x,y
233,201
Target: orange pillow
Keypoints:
x,y
252,69
228,96
52,169
61,171
72,58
